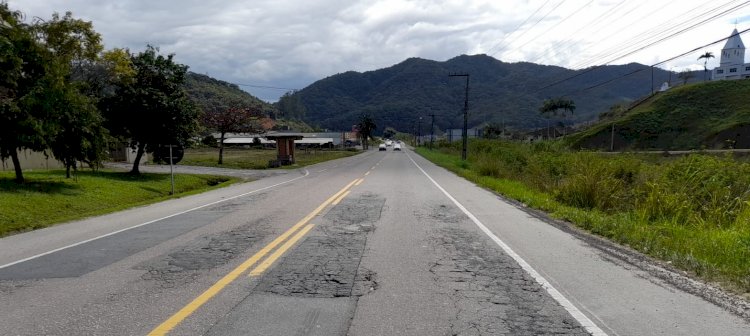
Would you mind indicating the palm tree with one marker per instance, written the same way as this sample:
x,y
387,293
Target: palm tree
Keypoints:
x,y
552,106
705,58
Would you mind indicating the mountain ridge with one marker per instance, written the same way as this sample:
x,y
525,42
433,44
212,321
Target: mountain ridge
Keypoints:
x,y
499,92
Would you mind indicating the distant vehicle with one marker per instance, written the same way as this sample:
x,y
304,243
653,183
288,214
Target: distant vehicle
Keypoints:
x,y
381,147
388,143
397,147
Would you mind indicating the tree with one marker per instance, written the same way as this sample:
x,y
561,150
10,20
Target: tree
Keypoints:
x,y
389,132
152,109
74,130
492,131
23,65
685,75
365,127
705,58
554,105
231,118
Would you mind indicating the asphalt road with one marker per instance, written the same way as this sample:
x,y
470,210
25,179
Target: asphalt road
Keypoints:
x,y
382,243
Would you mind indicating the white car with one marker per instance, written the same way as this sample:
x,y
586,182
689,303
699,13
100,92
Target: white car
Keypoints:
x,y
397,147
382,147
388,143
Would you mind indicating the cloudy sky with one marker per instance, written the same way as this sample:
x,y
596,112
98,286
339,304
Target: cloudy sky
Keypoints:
x,y
289,44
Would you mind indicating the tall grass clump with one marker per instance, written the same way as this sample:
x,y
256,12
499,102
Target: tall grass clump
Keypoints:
x,y
594,182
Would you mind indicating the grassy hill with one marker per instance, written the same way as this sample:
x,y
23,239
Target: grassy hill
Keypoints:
x,y
507,93
704,115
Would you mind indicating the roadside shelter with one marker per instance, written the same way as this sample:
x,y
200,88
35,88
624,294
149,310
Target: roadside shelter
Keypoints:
x,y
285,147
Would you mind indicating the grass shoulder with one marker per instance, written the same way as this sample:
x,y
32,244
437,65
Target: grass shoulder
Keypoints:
x,y
248,158
691,212
48,198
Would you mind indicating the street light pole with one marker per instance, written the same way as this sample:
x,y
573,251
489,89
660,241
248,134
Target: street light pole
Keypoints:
x,y
466,115
171,169
432,129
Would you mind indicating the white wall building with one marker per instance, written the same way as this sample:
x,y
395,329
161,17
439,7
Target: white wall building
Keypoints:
x,y
732,62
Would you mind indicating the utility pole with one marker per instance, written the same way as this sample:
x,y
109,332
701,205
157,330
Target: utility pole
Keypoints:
x,y
432,129
466,114
652,79
419,131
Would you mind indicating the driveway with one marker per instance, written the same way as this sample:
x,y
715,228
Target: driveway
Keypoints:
x,y
240,173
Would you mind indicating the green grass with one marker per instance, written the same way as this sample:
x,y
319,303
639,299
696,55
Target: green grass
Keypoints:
x,y
693,211
242,158
695,116
48,197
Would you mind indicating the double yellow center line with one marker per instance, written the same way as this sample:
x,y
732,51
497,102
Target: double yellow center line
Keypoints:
x,y
191,307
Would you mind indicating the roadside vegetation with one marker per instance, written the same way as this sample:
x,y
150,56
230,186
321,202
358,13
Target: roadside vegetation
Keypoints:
x,y
48,198
692,211
711,115
244,158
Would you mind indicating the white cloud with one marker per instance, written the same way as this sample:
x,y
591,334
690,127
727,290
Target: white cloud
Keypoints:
x,y
291,43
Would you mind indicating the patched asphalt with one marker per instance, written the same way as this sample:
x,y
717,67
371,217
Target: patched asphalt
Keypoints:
x,y
394,257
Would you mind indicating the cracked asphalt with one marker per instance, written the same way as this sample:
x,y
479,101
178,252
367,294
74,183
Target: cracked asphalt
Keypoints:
x,y
491,294
393,256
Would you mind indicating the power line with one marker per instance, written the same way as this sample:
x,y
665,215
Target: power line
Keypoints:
x,y
532,26
266,87
489,51
671,31
593,26
655,64
618,31
644,47
681,31
557,24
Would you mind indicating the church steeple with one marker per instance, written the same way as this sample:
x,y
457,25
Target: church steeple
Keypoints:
x,y
733,52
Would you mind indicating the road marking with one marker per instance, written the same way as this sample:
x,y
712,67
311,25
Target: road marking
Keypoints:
x,y
338,200
281,250
191,307
151,222
368,173
585,322
322,170
359,182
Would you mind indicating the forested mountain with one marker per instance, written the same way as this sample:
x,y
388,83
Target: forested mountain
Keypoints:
x,y
506,93
206,90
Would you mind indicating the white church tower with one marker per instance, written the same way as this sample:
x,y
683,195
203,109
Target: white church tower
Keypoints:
x,y
732,62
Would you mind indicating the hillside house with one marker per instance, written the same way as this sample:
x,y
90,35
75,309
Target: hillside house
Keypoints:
x,y
732,62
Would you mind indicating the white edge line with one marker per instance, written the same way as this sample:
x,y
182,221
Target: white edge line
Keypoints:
x,y
585,322
150,222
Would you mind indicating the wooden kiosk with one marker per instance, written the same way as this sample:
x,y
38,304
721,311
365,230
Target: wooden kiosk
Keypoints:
x,y
285,147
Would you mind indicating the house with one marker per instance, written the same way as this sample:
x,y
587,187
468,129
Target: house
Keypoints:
x,y
455,134
732,62
329,139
